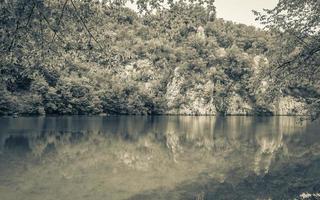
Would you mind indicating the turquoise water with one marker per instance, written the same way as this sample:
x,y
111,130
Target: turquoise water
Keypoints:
x,y
158,157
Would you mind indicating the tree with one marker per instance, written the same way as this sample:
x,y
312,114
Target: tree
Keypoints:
x,y
295,65
82,57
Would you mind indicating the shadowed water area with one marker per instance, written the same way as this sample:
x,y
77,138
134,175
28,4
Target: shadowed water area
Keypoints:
x,y
158,157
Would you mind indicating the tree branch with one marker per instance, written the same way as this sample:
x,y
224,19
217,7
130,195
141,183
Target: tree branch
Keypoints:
x,y
30,15
60,18
14,35
49,25
85,26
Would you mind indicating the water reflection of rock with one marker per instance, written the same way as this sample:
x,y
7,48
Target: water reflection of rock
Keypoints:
x,y
186,133
157,151
271,140
178,134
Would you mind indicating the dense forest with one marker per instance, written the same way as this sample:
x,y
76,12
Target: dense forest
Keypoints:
x,y
92,57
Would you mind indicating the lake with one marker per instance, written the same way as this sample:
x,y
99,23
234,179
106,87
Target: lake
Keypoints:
x,y
158,157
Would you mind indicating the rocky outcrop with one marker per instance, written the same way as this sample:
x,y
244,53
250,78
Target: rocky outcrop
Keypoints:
x,y
282,105
197,106
289,105
191,99
193,94
239,106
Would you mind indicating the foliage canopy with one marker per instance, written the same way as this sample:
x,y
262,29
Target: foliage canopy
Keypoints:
x,y
296,55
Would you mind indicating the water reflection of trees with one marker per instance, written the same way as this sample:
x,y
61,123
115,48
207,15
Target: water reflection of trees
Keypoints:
x,y
288,182
261,138
214,150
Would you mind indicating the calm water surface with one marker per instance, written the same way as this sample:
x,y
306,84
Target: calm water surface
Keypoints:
x,y
159,157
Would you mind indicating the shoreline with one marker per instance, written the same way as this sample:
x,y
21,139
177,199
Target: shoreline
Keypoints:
x,y
148,115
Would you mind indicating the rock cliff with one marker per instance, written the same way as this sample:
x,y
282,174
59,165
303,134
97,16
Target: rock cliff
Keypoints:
x,y
185,95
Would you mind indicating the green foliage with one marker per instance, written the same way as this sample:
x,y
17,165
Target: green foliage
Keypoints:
x,y
295,63
69,57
